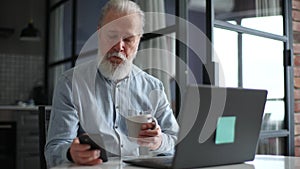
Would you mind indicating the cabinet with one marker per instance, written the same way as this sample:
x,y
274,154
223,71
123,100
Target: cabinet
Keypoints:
x,y
26,137
8,144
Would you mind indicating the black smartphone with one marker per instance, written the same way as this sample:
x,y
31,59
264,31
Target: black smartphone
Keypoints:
x,y
85,139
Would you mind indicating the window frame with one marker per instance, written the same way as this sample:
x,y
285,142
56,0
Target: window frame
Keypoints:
x,y
287,39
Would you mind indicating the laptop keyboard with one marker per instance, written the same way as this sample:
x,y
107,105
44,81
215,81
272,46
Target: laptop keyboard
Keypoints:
x,y
153,162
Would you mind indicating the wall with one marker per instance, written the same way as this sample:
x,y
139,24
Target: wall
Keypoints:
x,y
296,44
22,62
16,14
19,73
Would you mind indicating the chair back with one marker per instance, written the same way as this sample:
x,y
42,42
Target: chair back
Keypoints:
x,y
44,116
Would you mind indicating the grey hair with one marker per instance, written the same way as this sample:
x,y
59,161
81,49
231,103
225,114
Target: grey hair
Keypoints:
x,y
122,6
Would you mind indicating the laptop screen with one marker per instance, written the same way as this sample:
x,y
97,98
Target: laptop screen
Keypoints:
x,y
219,126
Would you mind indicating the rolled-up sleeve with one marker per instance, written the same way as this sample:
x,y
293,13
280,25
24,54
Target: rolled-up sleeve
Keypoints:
x,y
168,124
63,124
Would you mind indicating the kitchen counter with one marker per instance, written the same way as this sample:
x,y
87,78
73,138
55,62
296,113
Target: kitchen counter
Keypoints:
x,y
16,107
13,112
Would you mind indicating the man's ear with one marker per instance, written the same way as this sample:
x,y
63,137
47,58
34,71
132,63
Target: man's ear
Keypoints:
x,y
98,31
140,37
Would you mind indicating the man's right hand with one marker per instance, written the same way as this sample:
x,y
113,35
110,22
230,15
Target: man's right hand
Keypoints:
x,y
82,155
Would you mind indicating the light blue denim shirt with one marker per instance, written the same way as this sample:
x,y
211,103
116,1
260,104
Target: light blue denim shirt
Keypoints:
x,y
73,105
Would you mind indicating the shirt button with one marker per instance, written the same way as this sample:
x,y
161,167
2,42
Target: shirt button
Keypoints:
x,y
116,127
121,145
117,107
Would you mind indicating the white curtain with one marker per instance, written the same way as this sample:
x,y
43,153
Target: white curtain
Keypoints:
x,y
56,51
156,56
268,7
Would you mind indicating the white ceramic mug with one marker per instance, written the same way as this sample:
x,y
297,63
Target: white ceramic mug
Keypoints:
x,y
134,123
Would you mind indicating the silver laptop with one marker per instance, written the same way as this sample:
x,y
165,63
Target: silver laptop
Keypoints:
x,y
218,126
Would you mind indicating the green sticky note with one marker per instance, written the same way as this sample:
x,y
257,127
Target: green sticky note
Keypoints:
x,y
225,130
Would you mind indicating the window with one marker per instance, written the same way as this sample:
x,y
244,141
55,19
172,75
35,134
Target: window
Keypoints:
x,y
69,30
251,42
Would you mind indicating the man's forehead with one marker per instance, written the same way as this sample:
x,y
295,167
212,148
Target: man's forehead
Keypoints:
x,y
122,22
120,32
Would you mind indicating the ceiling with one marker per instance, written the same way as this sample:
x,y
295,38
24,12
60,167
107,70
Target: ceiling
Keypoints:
x,y
14,16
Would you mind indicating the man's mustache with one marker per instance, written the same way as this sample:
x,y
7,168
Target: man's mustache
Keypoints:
x,y
117,54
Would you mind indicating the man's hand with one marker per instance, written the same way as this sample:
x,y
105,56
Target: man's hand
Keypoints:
x,y
82,155
150,136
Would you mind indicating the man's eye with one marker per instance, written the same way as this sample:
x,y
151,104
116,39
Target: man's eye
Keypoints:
x,y
129,40
112,36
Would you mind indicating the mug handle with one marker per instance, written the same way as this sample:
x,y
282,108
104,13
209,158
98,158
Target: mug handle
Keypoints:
x,y
154,120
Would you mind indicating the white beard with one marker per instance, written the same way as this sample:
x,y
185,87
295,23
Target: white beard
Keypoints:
x,y
112,71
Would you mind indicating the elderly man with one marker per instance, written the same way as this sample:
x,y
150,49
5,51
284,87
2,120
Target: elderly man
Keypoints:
x,y
119,86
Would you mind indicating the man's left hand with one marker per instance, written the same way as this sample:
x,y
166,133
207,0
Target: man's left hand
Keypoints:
x,y
150,136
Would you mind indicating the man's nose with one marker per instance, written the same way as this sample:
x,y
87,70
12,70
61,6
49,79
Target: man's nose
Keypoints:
x,y
119,46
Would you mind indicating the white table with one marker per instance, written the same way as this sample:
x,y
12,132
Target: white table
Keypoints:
x,y
260,162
